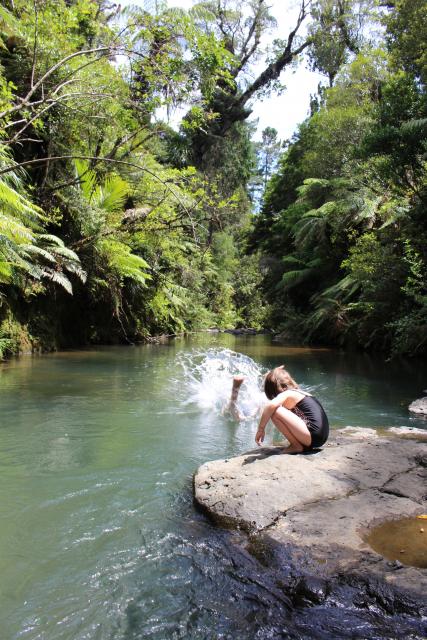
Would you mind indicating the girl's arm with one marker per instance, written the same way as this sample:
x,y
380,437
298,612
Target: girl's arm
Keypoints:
x,y
269,410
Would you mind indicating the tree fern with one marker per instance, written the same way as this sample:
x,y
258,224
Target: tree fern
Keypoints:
x,y
332,308
109,195
24,249
294,277
124,263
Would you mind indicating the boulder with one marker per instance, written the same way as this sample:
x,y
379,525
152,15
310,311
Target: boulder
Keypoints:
x,y
320,505
419,406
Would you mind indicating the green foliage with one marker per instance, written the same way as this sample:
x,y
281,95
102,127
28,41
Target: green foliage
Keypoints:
x,y
148,247
342,230
152,229
407,35
25,251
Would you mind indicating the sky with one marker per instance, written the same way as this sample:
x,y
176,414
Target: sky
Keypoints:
x,y
283,112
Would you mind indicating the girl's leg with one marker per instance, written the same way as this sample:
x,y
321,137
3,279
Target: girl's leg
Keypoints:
x,y
293,428
232,407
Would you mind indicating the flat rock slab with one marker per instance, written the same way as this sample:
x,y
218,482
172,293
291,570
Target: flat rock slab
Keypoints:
x,y
333,532
252,491
323,502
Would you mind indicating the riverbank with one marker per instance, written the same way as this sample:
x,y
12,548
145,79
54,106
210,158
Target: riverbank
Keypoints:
x,y
17,338
318,509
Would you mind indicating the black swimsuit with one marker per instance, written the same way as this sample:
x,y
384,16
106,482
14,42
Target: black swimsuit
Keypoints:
x,y
314,416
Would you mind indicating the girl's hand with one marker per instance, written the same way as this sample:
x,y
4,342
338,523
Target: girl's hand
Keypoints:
x,y
259,437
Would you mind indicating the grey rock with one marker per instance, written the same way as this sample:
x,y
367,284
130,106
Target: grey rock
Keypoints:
x,y
412,484
322,504
419,406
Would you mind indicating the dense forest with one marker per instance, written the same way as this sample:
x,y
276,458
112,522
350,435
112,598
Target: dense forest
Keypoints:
x,y
114,226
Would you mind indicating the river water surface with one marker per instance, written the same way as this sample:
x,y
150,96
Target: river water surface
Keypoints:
x,y
99,538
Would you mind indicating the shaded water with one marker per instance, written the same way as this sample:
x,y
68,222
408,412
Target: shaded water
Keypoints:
x,y
99,538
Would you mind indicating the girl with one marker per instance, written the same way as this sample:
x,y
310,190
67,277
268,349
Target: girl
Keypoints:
x,y
295,413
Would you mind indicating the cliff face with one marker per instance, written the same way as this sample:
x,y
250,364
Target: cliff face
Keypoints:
x,y
320,506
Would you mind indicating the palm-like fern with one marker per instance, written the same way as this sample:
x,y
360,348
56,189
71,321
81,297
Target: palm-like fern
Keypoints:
x,y
332,308
24,249
109,197
335,206
298,271
122,261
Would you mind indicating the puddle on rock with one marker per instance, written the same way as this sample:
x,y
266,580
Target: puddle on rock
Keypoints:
x,y
404,540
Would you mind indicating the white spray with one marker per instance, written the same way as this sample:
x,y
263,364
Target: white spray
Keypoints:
x,y
208,376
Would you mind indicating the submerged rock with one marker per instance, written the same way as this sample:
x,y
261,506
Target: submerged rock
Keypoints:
x,y
320,505
243,331
419,406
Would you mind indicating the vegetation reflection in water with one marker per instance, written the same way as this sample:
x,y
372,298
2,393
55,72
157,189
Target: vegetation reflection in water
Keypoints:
x,y
99,537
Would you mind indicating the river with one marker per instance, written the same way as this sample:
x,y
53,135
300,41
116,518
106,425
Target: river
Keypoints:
x,y
99,538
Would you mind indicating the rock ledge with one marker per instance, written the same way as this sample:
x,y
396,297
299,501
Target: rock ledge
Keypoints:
x,y
320,505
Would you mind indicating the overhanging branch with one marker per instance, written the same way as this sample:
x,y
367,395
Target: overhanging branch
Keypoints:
x,y
27,163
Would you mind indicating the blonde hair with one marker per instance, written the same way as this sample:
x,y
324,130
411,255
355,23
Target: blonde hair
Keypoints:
x,y
278,380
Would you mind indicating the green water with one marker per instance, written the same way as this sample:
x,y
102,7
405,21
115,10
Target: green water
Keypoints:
x,y
99,538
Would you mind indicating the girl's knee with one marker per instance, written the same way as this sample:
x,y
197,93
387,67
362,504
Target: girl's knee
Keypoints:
x,y
275,420
282,411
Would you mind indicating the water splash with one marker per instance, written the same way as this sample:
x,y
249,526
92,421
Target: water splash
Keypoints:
x,y
208,377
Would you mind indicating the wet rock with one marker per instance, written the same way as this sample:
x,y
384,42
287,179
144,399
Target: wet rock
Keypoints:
x,y
253,491
321,506
360,432
408,432
309,590
419,406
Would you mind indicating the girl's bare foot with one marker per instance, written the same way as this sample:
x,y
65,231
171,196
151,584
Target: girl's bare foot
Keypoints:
x,y
293,448
232,407
238,380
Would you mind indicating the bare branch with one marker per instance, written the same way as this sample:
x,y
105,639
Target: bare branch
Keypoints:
x,y
25,100
27,163
52,103
245,53
36,20
274,69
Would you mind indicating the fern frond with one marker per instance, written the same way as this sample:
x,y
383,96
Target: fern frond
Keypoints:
x,y
123,261
64,252
77,270
5,272
87,178
415,126
51,239
32,249
59,278
292,278
342,290
111,196
290,259
12,228
325,210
